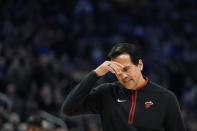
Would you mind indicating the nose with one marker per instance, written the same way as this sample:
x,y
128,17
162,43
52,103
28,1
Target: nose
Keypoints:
x,y
124,76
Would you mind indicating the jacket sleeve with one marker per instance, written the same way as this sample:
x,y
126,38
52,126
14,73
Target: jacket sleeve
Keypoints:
x,y
83,99
174,121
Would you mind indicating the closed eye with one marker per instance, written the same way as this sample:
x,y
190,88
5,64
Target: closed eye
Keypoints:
x,y
126,68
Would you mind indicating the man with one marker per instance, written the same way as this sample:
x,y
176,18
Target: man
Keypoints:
x,y
133,103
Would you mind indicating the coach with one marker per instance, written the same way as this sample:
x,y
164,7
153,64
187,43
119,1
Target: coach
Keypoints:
x,y
133,103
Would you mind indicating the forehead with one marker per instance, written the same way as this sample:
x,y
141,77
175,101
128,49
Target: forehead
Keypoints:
x,y
123,59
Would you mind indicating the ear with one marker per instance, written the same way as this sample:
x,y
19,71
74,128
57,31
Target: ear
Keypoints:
x,y
140,64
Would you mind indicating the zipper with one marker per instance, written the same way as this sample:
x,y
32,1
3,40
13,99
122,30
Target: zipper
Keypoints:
x,y
133,105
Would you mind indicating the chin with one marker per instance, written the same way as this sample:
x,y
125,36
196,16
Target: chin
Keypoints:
x,y
129,88
129,85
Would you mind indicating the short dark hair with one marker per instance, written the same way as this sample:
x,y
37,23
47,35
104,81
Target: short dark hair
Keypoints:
x,y
128,48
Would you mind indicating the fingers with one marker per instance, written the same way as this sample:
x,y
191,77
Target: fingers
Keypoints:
x,y
120,65
115,67
111,69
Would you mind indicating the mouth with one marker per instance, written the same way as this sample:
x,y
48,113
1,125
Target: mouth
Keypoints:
x,y
126,81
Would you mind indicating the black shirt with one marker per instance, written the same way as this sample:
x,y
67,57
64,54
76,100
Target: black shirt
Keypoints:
x,y
149,108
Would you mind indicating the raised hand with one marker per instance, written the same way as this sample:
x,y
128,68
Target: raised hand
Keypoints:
x,y
114,67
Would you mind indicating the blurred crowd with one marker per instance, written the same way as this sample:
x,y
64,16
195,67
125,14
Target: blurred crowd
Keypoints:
x,y
47,46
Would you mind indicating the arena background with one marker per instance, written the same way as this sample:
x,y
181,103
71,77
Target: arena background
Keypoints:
x,y
47,46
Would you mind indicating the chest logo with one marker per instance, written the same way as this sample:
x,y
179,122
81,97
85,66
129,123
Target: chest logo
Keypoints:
x,y
148,104
119,100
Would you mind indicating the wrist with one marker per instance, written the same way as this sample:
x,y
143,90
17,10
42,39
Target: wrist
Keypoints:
x,y
97,72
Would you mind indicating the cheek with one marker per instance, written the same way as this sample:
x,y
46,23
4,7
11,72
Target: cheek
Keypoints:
x,y
134,74
137,74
